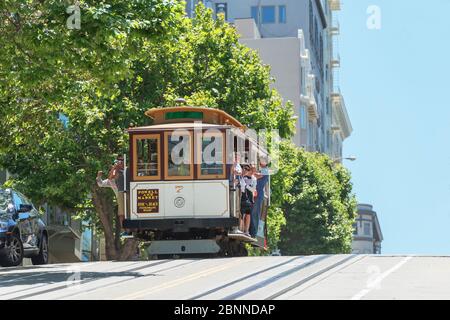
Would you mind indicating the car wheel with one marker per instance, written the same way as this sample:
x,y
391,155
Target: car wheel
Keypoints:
x,y
42,257
13,254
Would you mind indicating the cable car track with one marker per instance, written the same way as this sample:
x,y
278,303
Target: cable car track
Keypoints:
x,y
254,278
183,280
314,276
53,289
236,295
82,282
122,281
243,278
266,282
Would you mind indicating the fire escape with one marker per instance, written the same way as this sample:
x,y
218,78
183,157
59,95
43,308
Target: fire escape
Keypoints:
x,y
341,125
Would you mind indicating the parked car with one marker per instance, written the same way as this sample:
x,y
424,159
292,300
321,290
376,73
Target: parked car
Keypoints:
x,y
22,233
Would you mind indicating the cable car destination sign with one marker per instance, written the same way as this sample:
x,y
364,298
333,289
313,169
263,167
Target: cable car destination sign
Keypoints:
x,y
147,201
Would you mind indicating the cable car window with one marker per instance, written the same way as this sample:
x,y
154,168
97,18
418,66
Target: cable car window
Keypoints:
x,y
146,157
212,148
179,156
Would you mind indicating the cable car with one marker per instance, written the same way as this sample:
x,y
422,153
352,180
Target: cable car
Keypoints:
x,y
181,192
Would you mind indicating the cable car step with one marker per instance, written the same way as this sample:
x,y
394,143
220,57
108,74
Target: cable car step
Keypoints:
x,y
241,237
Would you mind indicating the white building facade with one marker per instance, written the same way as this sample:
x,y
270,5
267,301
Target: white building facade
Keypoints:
x,y
367,235
296,38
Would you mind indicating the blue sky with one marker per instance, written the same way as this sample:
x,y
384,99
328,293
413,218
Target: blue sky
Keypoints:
x,y
396,82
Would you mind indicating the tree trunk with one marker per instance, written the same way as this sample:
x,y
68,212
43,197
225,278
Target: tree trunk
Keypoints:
x,y
128,249
117,229
105,209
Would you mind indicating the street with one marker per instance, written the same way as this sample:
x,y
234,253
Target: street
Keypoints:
x,y
356,277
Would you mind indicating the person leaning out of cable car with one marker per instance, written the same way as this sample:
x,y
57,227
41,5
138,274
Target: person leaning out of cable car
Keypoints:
x,y
116,182
262,179
248,187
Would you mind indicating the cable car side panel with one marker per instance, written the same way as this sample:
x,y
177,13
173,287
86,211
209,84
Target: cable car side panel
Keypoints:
x,y
180,199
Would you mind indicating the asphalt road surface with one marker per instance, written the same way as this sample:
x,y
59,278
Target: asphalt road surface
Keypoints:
x,y
262,278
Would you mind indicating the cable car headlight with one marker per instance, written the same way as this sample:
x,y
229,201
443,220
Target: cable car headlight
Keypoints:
x,y
179,202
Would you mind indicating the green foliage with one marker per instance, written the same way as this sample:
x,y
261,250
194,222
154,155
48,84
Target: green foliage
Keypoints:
x,y
320,208
206,65
202,61
127,57
48,69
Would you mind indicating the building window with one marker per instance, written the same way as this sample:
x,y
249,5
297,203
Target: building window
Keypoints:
x,y
281,14
221,8
355,229
321,50
328,139
367,229
303,117
268,14
311,22
255,14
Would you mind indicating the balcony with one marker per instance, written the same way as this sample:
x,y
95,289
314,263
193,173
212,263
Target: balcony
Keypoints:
x,y
309,100
341,120
335,29
313,113
336,62
335,5
311,106
335,128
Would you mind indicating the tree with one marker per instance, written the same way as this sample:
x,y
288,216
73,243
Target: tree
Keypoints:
x,y
127,57
48,69
320,208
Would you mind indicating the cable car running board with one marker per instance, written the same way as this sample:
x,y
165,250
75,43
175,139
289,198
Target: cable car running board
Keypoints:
x,y
241,237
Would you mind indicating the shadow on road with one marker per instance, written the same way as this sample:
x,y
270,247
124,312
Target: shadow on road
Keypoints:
x,y
6,271
60,277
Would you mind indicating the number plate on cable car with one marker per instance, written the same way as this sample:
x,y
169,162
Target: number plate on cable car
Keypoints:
x,y
147,201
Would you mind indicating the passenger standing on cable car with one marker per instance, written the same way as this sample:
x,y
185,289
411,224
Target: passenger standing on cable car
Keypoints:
x,y
235,176
236,170
262,179
248,187
115,181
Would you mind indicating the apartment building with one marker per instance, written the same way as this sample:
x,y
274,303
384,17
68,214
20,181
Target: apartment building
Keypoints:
x,y
367,235
298,39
